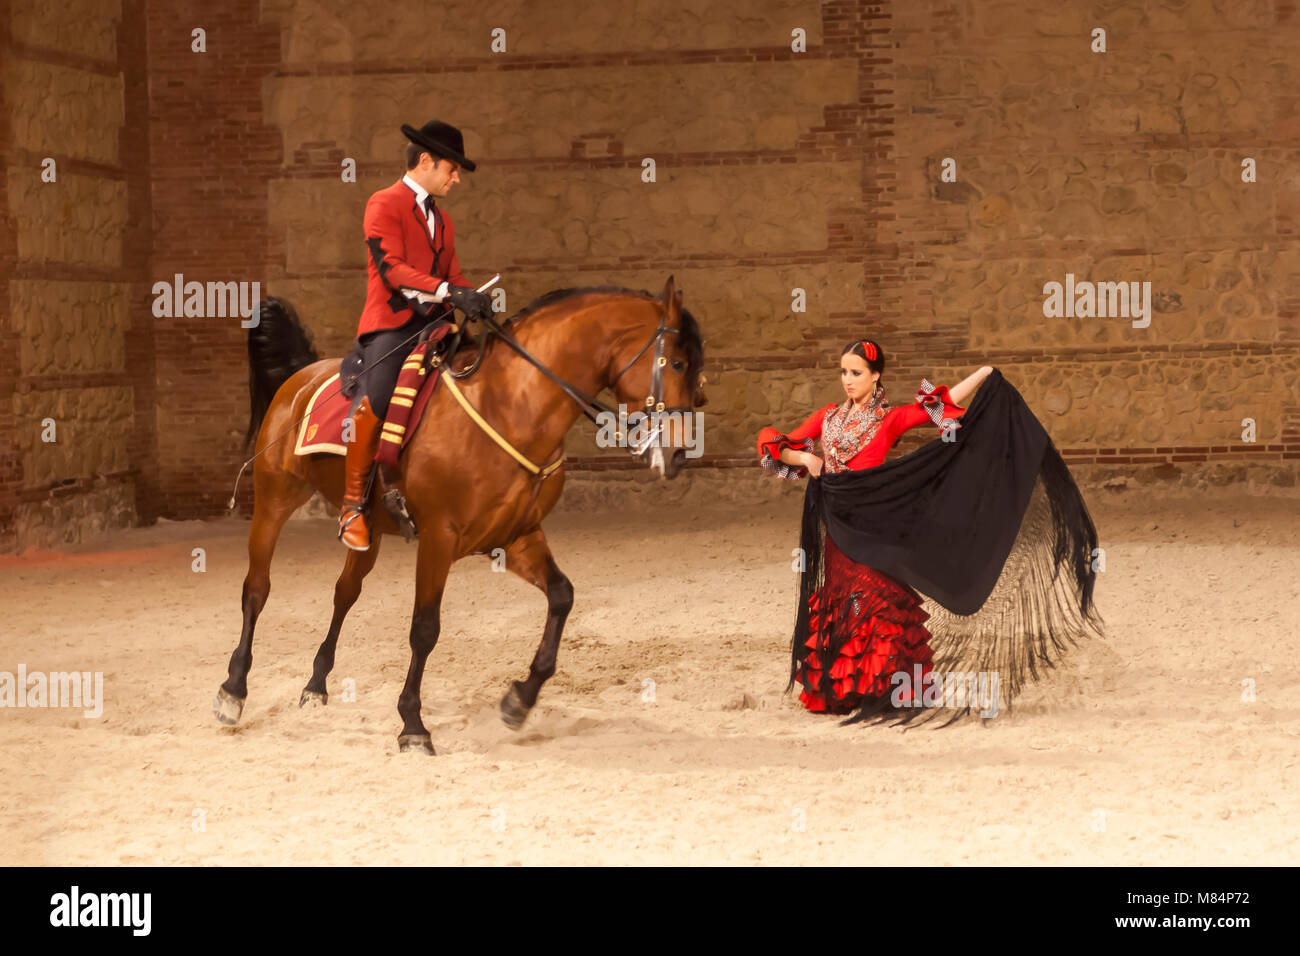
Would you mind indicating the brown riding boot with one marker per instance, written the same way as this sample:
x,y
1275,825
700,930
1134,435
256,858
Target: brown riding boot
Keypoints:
x,y
353,530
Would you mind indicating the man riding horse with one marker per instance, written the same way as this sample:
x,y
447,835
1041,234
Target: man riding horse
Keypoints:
x,y
412,257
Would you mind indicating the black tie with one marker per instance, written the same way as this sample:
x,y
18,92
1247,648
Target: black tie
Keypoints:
x,y
430,216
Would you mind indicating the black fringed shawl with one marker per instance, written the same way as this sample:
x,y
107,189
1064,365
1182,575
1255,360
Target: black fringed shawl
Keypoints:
x,y
984,526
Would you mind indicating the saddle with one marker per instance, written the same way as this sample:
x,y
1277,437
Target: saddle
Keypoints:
x,y
434,352
446,348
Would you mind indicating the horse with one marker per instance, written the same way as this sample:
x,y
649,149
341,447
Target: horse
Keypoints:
x,y
533,376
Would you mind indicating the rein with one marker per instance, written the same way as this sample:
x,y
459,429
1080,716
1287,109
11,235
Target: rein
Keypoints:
x,y
588,402
654,401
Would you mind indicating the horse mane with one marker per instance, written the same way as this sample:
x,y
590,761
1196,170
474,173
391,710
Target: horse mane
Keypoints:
x,y
559,295
690,339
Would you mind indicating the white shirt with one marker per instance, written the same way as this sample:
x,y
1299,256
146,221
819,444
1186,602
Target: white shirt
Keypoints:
x,y
420,195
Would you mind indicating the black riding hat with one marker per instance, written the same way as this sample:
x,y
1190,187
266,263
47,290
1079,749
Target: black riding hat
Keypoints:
x,y
441,140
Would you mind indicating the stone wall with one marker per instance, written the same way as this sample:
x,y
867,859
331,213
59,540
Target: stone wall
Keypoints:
x,y
71,464
777,169
1122,165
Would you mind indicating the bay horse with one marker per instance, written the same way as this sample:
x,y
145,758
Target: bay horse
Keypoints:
x,y
466,494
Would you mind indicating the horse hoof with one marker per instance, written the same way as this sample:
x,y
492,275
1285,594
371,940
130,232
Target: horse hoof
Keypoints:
x,y
314,698
513,710
227,707
415,743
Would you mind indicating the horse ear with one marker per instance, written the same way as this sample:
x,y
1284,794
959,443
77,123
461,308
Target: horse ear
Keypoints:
x,y
666,296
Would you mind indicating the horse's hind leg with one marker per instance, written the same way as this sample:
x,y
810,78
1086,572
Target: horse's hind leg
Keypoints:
x,y
346,591
530,558
276,495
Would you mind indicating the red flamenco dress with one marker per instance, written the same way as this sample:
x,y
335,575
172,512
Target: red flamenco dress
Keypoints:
x,y
864,624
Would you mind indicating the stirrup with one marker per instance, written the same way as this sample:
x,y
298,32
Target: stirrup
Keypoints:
x,y
395,502
357,511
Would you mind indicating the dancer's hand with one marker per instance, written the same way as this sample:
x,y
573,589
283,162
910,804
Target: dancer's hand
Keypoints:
x,y
813,464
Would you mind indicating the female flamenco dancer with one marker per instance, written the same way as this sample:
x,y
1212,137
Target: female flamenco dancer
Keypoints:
x,y
983,521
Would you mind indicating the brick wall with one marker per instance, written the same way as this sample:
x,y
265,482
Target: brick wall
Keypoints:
x,y
137,244
211,157
821,170
776,170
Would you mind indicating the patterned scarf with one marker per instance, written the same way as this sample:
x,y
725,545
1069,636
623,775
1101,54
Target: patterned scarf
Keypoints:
x,y
848,428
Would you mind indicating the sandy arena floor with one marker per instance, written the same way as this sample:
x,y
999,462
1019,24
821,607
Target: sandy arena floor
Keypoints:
x,y
1139,750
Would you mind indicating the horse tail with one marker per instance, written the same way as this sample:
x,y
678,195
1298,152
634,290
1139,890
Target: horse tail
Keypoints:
x,y
278,346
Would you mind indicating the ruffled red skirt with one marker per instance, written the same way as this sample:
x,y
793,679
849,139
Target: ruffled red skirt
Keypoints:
x,y
865,627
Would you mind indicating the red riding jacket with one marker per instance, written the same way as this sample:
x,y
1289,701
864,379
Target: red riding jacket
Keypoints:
x,y
403,256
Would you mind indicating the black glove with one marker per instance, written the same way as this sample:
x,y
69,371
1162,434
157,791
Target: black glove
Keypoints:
x,y
475,304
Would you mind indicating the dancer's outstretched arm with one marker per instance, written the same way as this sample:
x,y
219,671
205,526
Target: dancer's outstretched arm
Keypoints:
x,y
806,458
966,387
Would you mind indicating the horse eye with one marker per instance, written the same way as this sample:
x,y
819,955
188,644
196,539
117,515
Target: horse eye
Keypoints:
x,y
678,365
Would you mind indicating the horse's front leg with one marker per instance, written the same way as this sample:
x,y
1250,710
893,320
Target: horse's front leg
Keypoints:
x,y
346,591
431,567
529,557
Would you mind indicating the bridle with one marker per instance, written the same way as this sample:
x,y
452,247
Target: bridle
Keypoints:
x,y
590,405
